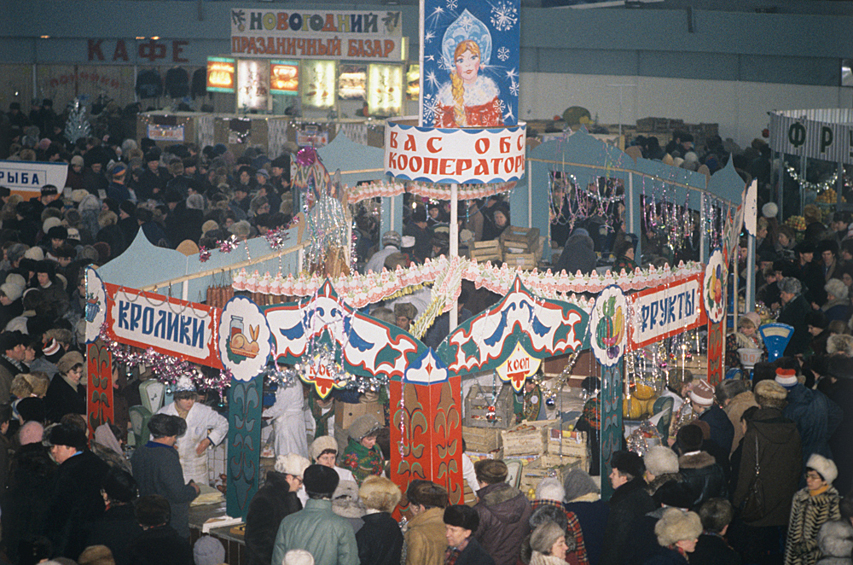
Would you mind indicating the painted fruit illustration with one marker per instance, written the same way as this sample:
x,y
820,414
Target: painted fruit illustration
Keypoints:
x,y
611,328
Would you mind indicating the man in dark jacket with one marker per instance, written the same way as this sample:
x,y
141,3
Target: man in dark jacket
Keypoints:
x,y
117,527
721,428
159,543
157,470
794,310
76,493
462,548
503,513
702,476
773,442
712,548
840,373
629,502
275,500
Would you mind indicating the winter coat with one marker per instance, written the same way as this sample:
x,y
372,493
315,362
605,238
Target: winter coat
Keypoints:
x,y
666,556
61,399
117,528
628,503
160,546
27,501
380,541
808,514
269,506
75,500
592,516
290,435
157,470
704,478
722,430
780,465
794,314
503,511
202,422
321,532
361,461
817,418
542,559
578,255
425,538
735,409
834,541
712,549
644,543
841,392
474,554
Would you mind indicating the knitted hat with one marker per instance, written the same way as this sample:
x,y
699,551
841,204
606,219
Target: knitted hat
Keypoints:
x,y
364,426
392,238
491,471
786,377
298,557
577,483
291,464
69,361
52,351
676,525
321,444
550,489
702,393
462,516
770,390
208,551
661,460
628,462
543,538
31,432
826,467
320,480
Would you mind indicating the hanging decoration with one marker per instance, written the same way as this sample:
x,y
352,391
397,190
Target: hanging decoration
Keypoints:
x,y
815,186
571,203
426,190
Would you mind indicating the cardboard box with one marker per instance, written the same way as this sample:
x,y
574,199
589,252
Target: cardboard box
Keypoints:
x,y
346,413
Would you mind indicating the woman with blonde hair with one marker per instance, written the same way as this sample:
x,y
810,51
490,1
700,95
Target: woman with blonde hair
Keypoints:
x,y
470,99
380,541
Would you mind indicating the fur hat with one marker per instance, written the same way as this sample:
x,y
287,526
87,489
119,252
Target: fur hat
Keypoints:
x,y
320,480
769,210
345,501
406,309
32,409
543,538
578,483
380,494
550,489
787,377
291,464
298,557
208,550
77,161
241,228
826,467
185,384
37,253
407,241
152,510
689,438
69,361
839,366
12,288
395,260
676,525
321,444
628,462
702,393
462,516
392,238
491,471
661,460
164,425
835,539
96,555
836,288
364,426
67,435
427,494
769,392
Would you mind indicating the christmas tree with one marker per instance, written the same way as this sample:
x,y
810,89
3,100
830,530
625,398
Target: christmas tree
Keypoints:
x,y
77,125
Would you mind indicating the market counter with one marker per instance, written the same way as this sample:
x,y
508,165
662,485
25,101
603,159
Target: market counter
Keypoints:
x,y
235,545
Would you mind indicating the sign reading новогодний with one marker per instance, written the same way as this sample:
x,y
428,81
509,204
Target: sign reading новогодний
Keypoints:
x,y
461,156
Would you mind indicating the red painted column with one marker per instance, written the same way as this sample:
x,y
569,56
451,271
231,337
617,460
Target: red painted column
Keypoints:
x,y
99,393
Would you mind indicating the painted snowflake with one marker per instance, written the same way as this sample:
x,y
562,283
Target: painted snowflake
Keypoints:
x,y
504,16
430,105
503,53
513,88
451,4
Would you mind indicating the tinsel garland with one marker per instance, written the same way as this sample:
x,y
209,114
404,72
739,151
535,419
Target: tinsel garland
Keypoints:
x,y
816,186
427,190
445,291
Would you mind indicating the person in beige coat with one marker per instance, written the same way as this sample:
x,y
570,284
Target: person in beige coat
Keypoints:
x,y
735,397
425,538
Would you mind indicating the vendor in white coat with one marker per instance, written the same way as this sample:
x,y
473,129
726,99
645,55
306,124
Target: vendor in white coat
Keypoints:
x,y
289,420
206,428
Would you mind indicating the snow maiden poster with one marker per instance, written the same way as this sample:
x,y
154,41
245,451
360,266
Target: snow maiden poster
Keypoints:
x,y
469,63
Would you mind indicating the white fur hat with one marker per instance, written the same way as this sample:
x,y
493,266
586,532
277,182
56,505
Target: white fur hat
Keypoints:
x,y
826,467
298,557
321,444
677,525
291,464
835,539
550,489
661,460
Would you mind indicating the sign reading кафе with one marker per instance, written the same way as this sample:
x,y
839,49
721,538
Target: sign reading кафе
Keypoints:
x,y
352,35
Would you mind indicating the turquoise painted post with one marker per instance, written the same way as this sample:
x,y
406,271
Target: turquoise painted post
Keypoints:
x,y
611,420
244,445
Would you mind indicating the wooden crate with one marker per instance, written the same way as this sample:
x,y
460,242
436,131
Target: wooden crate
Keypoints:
x,y
550,461
565,442
523,261
516,239
486,251
481,440
528,438
479,412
